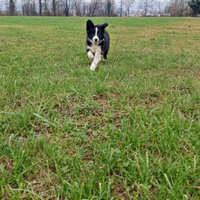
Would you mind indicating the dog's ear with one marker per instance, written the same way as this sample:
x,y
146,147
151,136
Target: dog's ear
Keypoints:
x,y
103,26
90,25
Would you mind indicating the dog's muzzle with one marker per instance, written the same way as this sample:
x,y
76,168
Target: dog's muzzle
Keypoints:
x,y
95,43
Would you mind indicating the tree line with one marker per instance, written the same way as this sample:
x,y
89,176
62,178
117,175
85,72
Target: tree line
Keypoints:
x,y
110,8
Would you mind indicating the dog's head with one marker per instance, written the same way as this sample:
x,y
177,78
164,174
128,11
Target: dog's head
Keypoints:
x,y
95,33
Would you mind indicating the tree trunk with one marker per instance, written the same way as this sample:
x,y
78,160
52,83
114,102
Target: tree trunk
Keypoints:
x,y
40,7
66,11
54,7
12,7
121,9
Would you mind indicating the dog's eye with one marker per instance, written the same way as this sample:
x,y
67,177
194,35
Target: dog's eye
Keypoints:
x,y
91,32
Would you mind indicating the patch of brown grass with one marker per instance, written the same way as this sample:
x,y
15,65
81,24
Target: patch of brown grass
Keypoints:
x,y
42,182
147,51
187,27
102,100
186,150
119,191
142,34
197,72
6,162
5,41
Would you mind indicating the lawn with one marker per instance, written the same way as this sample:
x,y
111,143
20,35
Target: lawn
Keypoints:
x,y
128,130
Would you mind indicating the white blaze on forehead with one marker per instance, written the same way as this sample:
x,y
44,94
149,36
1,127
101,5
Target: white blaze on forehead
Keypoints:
x,y
96,29
96,37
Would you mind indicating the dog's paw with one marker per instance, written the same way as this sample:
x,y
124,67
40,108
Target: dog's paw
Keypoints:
x,y
93,66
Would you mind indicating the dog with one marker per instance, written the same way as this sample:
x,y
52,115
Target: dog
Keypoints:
x,y
97,43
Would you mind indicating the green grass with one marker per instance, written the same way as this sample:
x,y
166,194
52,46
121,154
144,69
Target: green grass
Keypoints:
x,y
129,130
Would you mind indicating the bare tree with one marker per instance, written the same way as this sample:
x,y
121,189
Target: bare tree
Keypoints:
x,y
121,7
46,7
108,7
84,9
159,5
76,5
40,7
29,7
67,4
54,7
146,5
94,6
11,7
128,4
178,8
61,7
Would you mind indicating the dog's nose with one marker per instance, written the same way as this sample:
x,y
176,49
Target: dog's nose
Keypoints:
x,y
95,40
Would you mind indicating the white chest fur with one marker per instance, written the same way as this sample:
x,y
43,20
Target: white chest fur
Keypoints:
x,y
94,54
94,48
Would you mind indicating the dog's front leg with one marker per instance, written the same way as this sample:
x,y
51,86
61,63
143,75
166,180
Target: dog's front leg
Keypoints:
x,y
90,55
97,59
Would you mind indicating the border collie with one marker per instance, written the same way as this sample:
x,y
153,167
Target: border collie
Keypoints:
x,y
97,43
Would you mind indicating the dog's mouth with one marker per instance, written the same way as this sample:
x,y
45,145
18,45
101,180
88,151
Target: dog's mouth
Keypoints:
x,y
96,43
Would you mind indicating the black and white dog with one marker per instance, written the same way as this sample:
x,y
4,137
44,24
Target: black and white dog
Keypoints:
x,y
97,42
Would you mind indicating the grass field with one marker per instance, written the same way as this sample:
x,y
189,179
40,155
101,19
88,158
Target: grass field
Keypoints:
x,y
129,130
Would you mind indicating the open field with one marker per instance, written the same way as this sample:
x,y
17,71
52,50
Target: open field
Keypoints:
x,y
129,130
